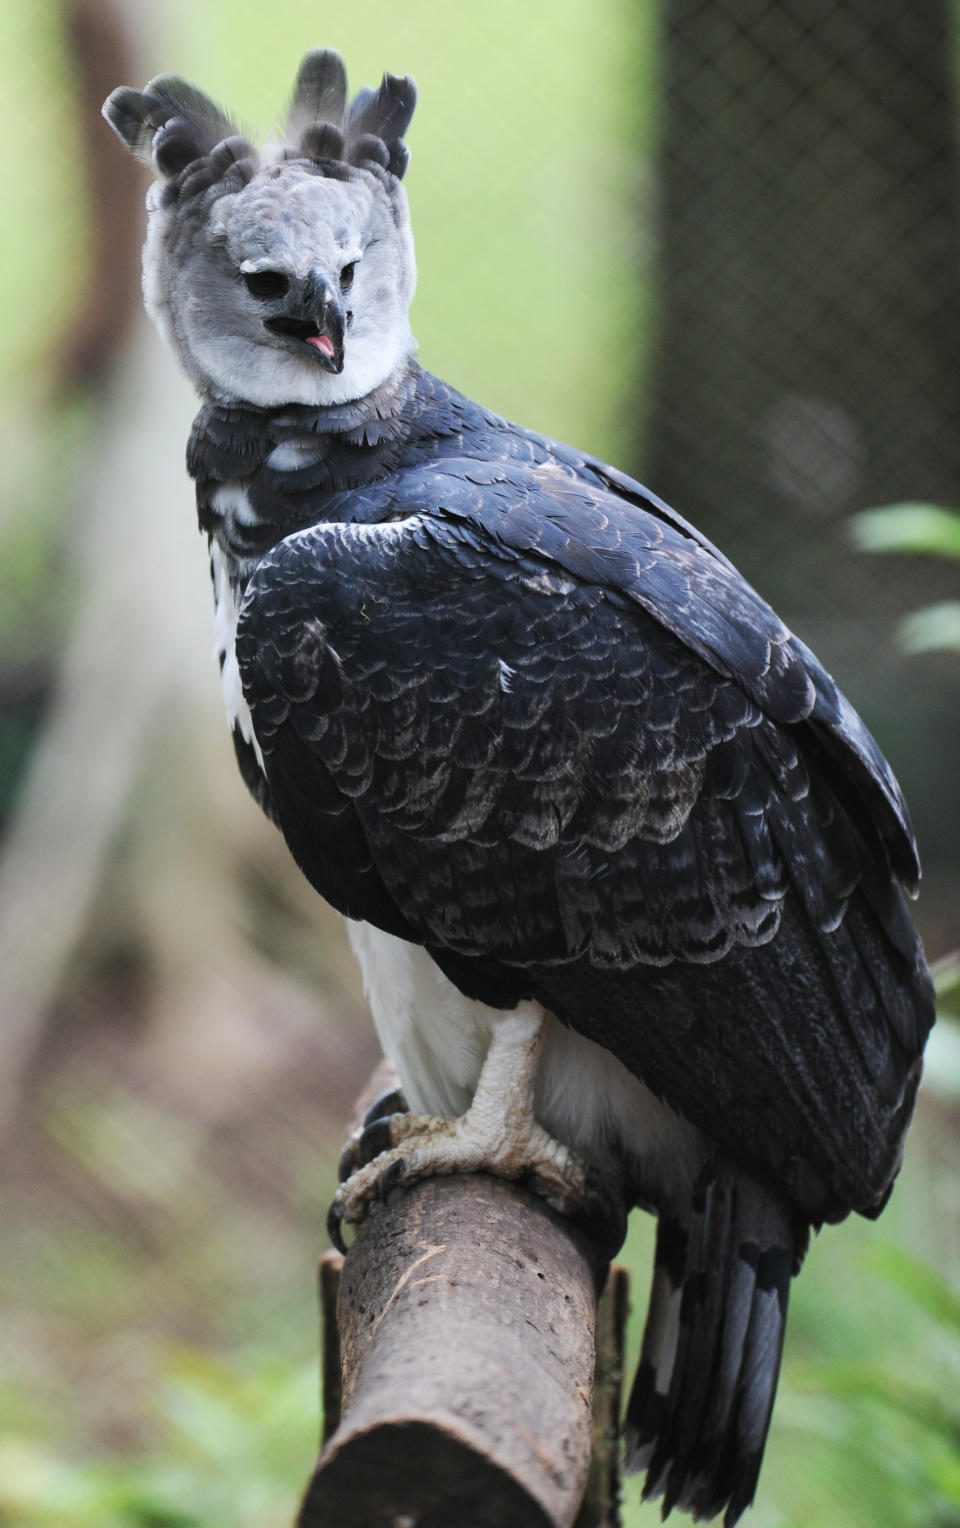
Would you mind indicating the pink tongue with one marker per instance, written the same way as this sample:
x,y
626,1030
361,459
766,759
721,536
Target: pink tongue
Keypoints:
x,y
321,342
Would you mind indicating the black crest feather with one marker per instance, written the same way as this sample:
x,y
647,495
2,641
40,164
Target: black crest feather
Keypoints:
x,y
323,140
385,112
176,128
319,93
367,132
173,125
369,149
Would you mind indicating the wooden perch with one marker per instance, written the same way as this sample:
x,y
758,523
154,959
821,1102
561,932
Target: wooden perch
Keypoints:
x,y
466,1319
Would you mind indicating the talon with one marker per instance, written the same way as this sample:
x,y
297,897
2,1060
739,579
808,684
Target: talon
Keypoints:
x,y
376,1139
334,1222
390,1179
365,1144
392,1102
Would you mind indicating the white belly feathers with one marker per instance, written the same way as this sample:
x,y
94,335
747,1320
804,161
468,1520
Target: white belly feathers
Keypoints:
x,y
585,1097
224,647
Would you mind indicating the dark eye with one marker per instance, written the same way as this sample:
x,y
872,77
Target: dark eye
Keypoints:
x,y
266,283
346,276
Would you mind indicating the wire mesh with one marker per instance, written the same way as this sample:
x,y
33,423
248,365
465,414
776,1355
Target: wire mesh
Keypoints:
x,y
806,363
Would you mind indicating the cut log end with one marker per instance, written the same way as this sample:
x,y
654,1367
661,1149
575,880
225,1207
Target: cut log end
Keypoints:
x,y
415,1475
466,1322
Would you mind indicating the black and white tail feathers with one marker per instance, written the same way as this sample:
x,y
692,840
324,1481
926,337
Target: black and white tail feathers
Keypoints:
x,y
701,1402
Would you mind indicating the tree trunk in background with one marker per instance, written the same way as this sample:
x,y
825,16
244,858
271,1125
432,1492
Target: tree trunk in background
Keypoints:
x,y
808,360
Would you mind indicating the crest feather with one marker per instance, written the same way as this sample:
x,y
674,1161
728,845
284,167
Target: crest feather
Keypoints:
x,y
188,139
319,92
322,140
368,132
386,112
171,125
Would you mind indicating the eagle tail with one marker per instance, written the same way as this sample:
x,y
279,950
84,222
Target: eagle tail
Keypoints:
x,y
700,1407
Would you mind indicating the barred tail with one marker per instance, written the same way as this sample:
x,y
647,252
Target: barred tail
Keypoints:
x,y
700,1407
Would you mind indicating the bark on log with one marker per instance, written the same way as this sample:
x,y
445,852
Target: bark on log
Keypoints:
x,y
331,1393
466,1321
600,1507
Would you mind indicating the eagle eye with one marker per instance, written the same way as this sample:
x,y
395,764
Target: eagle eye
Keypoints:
x,y
266,283
346,276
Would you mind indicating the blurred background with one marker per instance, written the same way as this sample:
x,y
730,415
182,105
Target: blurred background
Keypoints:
x,y
715,241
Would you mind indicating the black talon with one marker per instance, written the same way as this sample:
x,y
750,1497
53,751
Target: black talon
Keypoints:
x,y
373,1139
376,1138
348,1163
392,1102
334,1222
391,1178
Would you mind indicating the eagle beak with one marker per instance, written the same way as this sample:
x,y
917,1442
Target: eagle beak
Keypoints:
x,y
321,301
317,320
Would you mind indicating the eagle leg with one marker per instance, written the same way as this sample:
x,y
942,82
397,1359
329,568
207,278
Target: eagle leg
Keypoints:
x,y
498,1134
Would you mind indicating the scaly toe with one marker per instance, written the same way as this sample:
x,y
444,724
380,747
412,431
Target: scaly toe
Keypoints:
x,y
399,1149
386,1169
391,1179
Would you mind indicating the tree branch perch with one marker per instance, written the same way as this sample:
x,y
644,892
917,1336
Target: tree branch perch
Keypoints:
x,y
466,1317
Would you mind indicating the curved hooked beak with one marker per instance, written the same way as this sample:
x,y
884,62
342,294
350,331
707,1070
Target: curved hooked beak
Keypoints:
x,y
317,320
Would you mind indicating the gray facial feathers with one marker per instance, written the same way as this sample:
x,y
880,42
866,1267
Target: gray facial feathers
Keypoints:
x,y
282,276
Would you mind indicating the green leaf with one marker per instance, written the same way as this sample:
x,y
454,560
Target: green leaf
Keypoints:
x,y
866,1382
941,1059
924,1286
946,977
936,626
908,528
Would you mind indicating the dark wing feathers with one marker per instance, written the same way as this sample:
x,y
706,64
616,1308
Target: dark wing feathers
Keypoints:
x,y
551,737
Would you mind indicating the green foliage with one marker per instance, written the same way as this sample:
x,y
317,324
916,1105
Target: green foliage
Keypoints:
x,y
909,528
235,1449
898,1422
946,982
935,627
917,528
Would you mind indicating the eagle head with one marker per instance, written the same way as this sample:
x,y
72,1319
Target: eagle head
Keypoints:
x,y
285,275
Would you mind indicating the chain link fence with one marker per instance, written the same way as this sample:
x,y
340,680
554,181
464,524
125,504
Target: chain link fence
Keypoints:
x,y
809,330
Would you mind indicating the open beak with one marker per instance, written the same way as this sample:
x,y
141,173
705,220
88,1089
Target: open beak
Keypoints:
x,y
317,320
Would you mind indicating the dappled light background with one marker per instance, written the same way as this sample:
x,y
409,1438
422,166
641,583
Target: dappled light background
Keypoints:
x,y
714,242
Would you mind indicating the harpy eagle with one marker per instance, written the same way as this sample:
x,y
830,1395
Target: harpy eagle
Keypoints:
x,y
622,866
